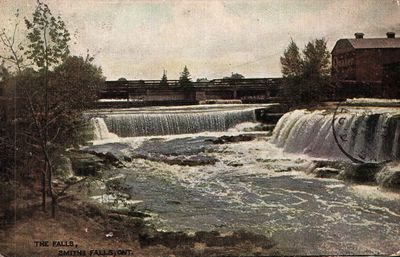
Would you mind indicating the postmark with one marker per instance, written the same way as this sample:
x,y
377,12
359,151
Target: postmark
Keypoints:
x,y
343,133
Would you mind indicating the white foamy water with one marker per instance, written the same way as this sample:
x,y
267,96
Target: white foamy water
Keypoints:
x,y
100,130
176,123
150,121
265,181
369,136
245,126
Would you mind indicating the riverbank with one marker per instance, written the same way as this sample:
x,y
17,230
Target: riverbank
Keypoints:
x,y
85,224
254,199
256,187
245,190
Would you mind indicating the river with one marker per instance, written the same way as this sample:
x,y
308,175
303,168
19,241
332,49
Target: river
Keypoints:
x,y
255,186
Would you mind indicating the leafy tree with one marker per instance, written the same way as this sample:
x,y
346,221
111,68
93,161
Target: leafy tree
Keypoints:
x,y
51,97
185,79
48,46
164,79
76,76
122,79
48,38
291,61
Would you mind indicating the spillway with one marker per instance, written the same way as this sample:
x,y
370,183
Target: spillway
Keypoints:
x,y
177,120
100,129
367,136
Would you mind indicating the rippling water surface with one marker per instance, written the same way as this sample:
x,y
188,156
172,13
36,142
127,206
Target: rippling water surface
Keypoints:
x,y
257,187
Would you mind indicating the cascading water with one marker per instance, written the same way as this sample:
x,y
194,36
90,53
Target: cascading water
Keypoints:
x,y
370,137
145,124
100,129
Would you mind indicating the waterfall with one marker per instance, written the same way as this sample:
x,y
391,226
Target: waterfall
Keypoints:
x,y
100,129
372,137
168,123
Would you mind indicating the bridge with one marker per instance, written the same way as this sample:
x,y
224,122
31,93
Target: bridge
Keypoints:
x,y
153,92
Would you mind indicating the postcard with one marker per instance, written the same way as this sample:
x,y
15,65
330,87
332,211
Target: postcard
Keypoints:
x,y
199,128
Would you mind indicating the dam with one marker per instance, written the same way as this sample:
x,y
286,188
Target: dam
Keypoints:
x,y
152,121
187,178
372,137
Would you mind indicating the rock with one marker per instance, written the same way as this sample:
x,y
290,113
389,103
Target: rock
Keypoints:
x,y
232,139
63,168
96,187
174,147
93,210
389,177
326,172
173,202
111,153
86,164
129,213
364,172
282,168
193,160
235,164
264,127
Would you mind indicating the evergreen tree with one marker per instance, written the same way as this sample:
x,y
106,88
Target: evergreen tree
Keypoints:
x,y
305,75
316,58
316,69
291,60
164,79
185,79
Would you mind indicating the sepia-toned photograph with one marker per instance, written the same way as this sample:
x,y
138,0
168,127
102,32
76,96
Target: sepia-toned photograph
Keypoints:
x,y
174,128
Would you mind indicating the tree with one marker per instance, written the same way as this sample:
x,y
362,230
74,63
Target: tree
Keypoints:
x,y
122,79
4,73
72,88
291,60
164,79
202,80
51,97
305,75
316,60
48,46
234,76
185,79
316,69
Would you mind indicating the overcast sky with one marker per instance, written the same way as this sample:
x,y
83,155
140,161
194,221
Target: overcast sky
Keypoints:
x,y
138,39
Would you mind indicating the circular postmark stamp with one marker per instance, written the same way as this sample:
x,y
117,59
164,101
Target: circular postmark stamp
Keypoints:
x,y
354,138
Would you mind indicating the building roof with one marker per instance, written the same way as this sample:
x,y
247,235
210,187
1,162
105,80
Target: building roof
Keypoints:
x,y
365,43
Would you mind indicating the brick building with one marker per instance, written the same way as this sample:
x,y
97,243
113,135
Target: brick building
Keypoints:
x,y
360,66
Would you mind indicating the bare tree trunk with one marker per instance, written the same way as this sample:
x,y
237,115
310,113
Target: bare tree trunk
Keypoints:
x,y
44,187
51,190
53,206
48,169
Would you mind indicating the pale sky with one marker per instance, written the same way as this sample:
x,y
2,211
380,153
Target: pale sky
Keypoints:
x,y
139,39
